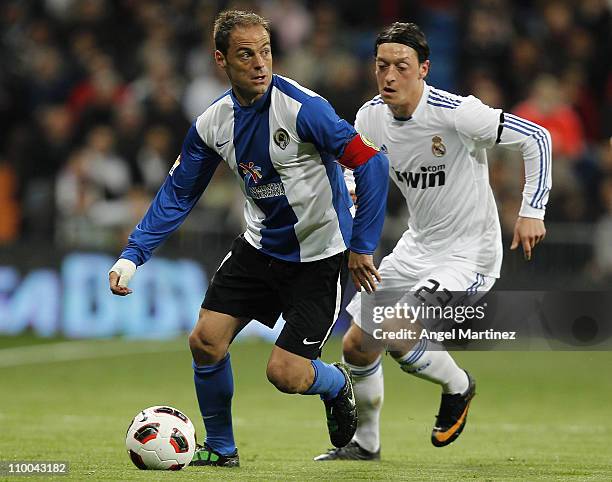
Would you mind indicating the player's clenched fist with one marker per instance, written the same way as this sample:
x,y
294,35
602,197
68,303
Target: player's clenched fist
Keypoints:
x,y
119,276
363,271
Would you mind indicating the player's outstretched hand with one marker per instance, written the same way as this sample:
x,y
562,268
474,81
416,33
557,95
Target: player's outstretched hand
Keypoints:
x,y
528,232
119,276
363,271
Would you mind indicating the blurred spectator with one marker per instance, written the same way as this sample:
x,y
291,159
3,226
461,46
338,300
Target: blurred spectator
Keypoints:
x,y
575,89
50,82
155,158
291,22
547,107
129,126
199,60
41,154
313,65
202,91
524,63
92,189
9,209
159,90
104,167
344,84
92,101
164,108
483,86
487,38
558,23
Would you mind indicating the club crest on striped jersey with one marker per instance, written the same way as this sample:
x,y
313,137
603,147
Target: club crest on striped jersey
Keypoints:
x,y
281,138
437,147
250,170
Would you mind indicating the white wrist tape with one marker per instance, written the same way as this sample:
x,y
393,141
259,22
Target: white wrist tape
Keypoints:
x,y
125,269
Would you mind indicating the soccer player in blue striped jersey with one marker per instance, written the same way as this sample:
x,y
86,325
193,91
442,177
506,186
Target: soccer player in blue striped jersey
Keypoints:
x,y
436,142
286,145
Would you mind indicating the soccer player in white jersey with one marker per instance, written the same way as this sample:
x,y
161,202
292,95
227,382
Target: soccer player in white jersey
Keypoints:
x,y
436,143
282,142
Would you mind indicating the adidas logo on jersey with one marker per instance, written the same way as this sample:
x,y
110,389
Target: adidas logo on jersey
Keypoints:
x,y
427,176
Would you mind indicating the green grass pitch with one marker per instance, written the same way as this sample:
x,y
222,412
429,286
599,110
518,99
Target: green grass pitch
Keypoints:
x,y
536,416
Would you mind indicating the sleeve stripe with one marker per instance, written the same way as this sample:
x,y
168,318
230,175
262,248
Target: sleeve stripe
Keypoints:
x,y
537,137
441,98
509,124
525,122
446,106
543,144
444,95
539,200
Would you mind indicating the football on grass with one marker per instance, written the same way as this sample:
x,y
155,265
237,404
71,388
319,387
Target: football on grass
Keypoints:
x,y
160,438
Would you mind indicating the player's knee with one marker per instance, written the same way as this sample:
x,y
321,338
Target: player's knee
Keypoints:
x,y
282,378
350,347
353,350
204,351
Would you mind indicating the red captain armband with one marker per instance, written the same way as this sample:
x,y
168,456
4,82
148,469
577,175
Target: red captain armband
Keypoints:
x,y
357,152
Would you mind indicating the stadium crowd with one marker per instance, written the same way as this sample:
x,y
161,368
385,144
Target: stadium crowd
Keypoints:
x,y
96,96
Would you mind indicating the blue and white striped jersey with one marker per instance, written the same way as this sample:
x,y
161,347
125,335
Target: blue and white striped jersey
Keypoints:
x,y
283,149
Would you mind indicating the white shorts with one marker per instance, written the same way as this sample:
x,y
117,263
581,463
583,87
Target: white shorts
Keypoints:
x,y
400,278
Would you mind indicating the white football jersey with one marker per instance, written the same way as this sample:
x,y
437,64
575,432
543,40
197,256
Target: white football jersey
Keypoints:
x,y
437,158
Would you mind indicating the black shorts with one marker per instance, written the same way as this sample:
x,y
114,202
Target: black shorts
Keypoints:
x,y
251,284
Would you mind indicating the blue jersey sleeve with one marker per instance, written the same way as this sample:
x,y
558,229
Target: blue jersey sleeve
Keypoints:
x,y
371,186
318,123
175,199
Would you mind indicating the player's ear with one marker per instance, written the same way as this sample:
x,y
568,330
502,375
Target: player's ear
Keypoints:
x,y
220,59
423,69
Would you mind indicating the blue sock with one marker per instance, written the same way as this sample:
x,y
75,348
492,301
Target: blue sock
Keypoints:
x,y
328,380
214,386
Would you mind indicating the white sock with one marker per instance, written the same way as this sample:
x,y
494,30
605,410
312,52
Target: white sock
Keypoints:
x,y
432,362
369,395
